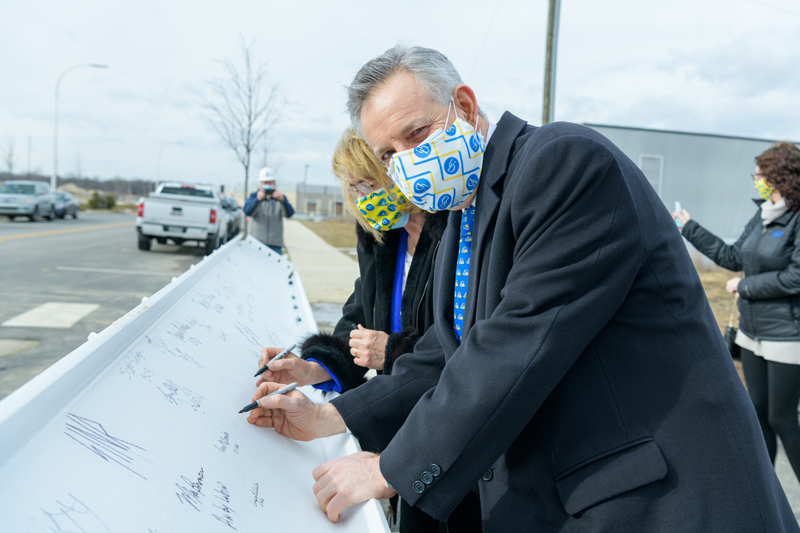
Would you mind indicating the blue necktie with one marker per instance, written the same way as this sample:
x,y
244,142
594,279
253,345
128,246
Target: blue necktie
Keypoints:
x,y
462,270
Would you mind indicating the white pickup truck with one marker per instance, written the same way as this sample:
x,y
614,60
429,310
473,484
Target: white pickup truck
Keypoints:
x,y
182,212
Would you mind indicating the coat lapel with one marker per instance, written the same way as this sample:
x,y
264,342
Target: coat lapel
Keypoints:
x,y
495,166
445,279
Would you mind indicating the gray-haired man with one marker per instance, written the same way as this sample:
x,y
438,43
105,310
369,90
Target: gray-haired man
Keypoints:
x,y
578,378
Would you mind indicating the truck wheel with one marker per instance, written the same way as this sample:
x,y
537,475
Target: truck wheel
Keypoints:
x,y
211,244
33,215
51,214
144,242
75,213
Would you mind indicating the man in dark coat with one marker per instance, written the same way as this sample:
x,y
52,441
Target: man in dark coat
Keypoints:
x,y
591,389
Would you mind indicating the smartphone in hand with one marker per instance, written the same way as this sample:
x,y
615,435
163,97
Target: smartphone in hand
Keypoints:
x,y
678,209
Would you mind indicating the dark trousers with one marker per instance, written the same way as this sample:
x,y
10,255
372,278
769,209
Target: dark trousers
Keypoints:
x,y
466,518
774,389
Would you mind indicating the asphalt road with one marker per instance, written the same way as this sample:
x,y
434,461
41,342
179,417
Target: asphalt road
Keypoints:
x,y
91,260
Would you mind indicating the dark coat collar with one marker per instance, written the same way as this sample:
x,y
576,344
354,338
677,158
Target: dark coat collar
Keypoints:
x,y
496,157
783,219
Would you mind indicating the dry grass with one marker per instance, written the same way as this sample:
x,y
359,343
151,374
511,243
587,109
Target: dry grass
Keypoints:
x,y
339,232
721,300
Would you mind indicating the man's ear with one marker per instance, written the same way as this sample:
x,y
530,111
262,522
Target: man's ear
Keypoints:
x,y
466,102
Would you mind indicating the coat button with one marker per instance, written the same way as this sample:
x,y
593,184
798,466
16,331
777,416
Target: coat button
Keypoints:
x,y
426,477
419,487
488,475
435,470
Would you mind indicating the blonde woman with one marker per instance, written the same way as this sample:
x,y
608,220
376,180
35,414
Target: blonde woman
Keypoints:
x,y
392,304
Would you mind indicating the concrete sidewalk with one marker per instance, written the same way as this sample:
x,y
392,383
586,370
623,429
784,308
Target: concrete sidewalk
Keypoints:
x,y
327,274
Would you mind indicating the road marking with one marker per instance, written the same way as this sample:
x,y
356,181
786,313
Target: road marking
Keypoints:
x,y
62,231
114,271
51,315
12,346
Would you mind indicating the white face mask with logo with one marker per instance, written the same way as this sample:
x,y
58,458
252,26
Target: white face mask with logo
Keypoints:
x,y
442,171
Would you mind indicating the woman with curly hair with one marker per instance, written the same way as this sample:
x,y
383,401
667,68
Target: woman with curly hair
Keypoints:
x,y
769,295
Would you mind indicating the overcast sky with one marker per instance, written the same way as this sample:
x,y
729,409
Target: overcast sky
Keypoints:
x,y
712,66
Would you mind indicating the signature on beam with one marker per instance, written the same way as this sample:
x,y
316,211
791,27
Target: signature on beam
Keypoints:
x,y
74,515
93,436
176,394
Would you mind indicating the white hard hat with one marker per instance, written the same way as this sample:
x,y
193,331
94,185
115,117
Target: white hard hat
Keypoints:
x,y
266,174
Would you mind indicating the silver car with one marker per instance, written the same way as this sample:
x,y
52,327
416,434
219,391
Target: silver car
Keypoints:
x,y
26,198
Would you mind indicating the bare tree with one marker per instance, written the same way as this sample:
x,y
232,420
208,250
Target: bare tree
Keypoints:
x,y
239,111
8,154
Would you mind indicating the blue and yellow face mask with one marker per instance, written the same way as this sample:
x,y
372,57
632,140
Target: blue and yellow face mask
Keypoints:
x,y
764,190
384,208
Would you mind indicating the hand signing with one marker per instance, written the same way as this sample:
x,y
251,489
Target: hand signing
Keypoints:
x,y
293,415
289,369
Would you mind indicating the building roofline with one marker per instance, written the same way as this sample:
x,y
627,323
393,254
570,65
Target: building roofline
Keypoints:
x,y
687,133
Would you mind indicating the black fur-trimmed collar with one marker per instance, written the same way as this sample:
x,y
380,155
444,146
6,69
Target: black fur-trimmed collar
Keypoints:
x,y
435,224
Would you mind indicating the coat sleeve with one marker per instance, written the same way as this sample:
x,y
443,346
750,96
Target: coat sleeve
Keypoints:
x,y
288,210
398,344
333,352
777,283
708,244
250,204
375,411
577,250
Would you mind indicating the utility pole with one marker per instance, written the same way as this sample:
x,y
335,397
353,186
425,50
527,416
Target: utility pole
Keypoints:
x,y
549,103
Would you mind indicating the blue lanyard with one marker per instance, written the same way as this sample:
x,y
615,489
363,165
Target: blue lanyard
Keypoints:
x,y
397,287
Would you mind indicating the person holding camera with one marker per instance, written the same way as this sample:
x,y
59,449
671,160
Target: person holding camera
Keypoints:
x,y
769,254
266,208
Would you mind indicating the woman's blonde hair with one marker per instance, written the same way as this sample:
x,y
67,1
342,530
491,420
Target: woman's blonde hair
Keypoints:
x,y
353,157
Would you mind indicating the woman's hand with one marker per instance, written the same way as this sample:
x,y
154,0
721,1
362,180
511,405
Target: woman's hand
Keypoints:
x,y
290,369
733,285
368,347
682,215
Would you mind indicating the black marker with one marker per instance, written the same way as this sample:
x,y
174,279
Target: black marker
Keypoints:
x,y
282,390
279,356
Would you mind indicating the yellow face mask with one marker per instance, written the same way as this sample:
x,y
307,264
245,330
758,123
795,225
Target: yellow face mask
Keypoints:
x,y
764,190
384,208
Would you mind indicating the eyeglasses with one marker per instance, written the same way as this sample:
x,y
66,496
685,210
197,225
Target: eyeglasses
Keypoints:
x,y
362,188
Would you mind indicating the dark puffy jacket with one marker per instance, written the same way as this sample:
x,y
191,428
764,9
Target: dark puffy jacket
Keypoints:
x,y
371,302
769,295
